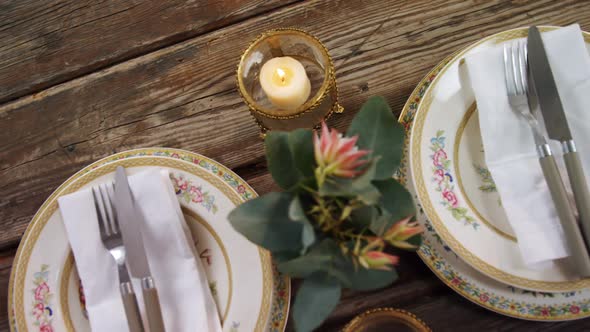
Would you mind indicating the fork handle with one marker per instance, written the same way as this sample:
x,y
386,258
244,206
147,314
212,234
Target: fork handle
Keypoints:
x,y
573,236
580,189
131,308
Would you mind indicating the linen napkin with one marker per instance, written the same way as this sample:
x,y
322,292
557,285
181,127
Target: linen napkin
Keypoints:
x,y
509,146
185,298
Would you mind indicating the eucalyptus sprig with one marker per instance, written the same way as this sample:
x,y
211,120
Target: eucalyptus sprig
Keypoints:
x,y
341,209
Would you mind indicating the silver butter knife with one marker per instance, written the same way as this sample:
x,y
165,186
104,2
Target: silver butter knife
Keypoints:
x,y
131,222
557,126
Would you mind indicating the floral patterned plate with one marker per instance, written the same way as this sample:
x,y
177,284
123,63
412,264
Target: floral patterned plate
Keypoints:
x,y
454,187
45,291
467,281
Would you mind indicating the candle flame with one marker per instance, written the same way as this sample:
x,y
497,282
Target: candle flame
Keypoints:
x,y
281,73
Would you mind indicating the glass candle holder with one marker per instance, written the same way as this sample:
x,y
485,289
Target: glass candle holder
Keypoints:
x,y
313,55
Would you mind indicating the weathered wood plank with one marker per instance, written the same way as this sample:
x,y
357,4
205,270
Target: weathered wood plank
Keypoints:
x,y
47,42
184,95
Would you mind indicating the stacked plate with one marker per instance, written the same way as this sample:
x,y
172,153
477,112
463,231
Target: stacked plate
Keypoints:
x,y
251,295
468,241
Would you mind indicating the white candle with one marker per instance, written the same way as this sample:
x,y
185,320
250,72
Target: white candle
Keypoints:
x,y
285,82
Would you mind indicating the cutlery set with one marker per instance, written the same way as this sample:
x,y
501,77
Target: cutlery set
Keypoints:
x,y
531,86
120,224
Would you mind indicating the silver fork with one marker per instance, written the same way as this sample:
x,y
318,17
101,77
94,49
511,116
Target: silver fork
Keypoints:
x,y
111,237
522,99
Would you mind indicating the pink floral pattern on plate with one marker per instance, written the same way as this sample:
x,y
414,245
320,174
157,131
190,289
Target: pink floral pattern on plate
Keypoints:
x,y
442,177
41,311
190,192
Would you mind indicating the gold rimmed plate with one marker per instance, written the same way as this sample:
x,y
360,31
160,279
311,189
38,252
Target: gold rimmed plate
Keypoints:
x,y
45,290
457,192
462,277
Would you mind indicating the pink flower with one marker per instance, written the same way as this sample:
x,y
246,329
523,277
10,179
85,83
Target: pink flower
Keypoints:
x,y
484,297
337,155
241,189
456,281
451,198
438,157
545,312
439,175
378,260
38,310
182,184
45,327
197,194
41,290
574,309
402,231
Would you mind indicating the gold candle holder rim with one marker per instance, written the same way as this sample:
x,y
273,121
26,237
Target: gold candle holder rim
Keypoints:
x,y
402,315
308,105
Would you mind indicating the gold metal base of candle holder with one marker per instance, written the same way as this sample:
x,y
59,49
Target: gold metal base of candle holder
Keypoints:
x,y
386,319
305,47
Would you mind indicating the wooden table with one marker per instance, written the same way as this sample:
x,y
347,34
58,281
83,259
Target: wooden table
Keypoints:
x,y
80,80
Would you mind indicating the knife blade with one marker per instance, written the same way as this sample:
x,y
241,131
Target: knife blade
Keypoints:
x,y
546,88
131,222
557,125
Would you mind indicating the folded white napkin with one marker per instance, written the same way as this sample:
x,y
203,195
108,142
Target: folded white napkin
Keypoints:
x,y
185,298
509,146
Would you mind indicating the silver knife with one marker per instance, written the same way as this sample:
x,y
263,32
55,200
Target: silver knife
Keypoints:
x,y
557,126
131,222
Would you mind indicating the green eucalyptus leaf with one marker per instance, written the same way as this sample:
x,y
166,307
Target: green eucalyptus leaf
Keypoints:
x,y
297,213
382,223
396,199
265,221
364,216
380,133
283,256
301,146
316,299
280,160
319,257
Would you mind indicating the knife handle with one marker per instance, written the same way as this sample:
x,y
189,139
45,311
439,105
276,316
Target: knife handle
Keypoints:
x,y
573,236
152,305
580,189
131,308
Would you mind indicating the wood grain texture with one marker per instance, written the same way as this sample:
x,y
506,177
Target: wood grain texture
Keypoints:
x,y
184,96
47,42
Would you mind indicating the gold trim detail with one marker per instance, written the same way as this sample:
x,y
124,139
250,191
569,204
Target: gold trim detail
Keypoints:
x,y
105,166
458,137
63,291
446,236
408,318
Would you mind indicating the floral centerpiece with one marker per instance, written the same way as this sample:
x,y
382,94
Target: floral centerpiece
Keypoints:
x,y
341,211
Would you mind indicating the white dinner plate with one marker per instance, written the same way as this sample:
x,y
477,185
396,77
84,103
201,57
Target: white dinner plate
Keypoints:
x,y
464,279
45,291
455,188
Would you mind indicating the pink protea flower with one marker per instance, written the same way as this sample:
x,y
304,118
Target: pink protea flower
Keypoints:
x,y
378,260
401,231
337,155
